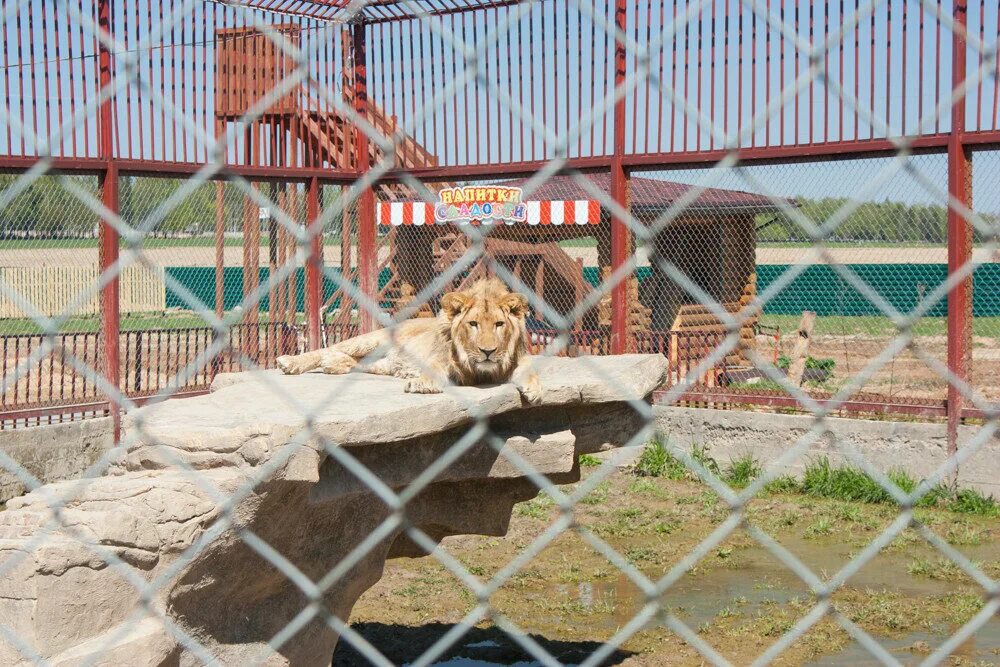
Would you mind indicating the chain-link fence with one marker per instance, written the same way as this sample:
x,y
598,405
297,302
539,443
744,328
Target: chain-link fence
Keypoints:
x,y
786,208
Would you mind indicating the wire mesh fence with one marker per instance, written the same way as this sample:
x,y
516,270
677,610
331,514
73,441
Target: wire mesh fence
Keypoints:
x,y
276,178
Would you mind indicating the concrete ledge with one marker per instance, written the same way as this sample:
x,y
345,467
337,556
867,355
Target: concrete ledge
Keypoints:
x,y
54,453
918,448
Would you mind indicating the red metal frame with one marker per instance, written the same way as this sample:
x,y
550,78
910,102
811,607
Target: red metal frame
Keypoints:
x,y
108,239
367,251
620,236
959,235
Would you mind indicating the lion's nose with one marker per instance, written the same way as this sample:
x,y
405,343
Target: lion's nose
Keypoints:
x,y
487,353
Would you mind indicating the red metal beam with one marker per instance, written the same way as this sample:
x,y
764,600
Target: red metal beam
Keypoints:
x,y
314,267
108,235
367,250
959,233
620,236
71,409
835,150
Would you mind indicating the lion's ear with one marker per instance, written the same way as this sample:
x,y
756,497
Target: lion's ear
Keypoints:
x,y
454,303
516,304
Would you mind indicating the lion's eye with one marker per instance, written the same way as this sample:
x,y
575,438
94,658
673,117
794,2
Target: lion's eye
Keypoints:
x,y
474,325
499,325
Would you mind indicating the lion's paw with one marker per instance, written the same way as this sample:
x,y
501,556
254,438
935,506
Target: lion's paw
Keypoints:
x,y
421,385
531,390
288,365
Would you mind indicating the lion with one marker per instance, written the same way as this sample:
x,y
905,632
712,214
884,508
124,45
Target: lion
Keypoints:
x,y
477,338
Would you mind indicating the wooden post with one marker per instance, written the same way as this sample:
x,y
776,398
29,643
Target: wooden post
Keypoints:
x,y
797,362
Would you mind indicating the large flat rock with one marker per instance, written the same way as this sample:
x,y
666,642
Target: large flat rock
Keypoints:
x,y
362,408
160,514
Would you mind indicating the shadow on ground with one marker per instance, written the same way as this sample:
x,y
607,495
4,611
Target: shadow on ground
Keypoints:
x,y
479,646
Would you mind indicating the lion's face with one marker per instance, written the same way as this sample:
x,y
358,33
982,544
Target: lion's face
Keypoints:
x,y
486,324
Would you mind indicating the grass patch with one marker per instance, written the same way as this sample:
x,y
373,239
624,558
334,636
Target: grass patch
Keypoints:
x,y
971,501
656,461
852,484
821,479
741,472
536,508
589,461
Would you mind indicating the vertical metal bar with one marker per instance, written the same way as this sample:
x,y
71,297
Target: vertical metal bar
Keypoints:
x,y
781,74
753,76
108,235
812,79
959,232
620,236
687,51
367,260
659,101
840,75
902,79
937,70
314,266
725,69
797,56
7,71
871,75
979,86
739,73
996,80
711,77
888,66
635,89
767,75
826,73
531,71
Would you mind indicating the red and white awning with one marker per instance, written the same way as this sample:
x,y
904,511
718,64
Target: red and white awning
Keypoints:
x,y
568,212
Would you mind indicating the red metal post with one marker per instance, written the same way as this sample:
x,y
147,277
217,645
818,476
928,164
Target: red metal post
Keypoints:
x,y
314,266
367,252
108,235
620,234
959,233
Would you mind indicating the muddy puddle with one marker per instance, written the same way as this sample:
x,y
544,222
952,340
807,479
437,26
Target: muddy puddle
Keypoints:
x,y
740,599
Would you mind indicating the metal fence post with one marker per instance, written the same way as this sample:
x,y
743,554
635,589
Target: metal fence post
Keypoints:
x,y
959,232
314,266
367,250
107,234
620,235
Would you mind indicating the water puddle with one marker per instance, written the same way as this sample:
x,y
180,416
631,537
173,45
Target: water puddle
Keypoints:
x,y
752,583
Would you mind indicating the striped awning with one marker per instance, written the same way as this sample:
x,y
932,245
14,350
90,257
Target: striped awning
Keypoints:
x,y
569,212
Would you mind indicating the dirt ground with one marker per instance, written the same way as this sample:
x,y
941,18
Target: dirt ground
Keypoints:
x,y
910,373
738,598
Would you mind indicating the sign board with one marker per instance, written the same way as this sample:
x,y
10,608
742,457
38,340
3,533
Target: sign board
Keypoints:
x,y
480,204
